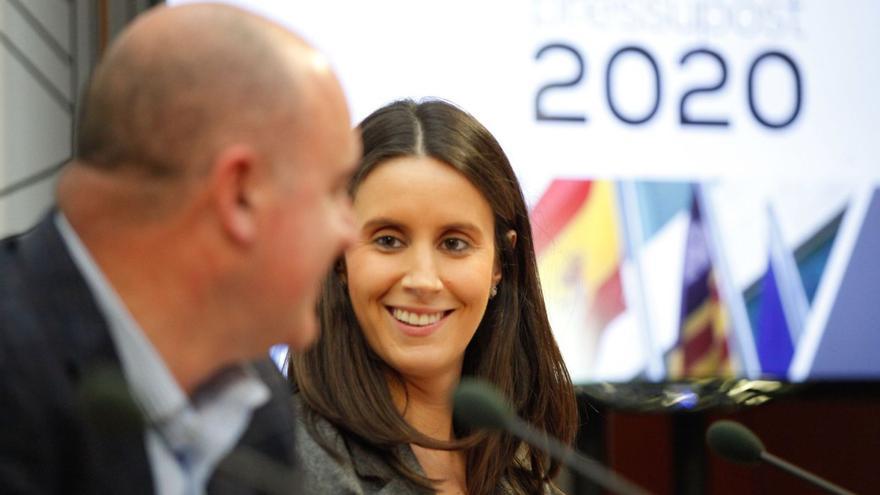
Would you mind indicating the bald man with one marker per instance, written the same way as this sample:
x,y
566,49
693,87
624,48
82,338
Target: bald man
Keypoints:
x,y
204,205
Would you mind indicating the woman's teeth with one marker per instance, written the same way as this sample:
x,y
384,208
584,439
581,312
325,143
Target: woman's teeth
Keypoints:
x,y
415,318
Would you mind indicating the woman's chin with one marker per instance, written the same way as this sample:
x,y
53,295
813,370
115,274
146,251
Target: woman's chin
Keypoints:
x,y
424,366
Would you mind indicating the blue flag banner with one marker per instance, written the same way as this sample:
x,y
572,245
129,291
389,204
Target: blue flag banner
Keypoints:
x,y
783,304
774,344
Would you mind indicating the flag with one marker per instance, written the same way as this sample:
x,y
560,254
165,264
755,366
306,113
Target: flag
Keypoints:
x,y
782,307
702,348
775,347
578,245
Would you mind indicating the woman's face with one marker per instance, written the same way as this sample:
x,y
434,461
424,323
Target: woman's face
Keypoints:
x,y
420,273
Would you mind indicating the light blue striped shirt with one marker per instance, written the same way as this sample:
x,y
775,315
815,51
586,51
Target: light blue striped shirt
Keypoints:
x,y
185,439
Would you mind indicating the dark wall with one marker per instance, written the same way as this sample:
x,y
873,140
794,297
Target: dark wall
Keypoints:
x,y
835,435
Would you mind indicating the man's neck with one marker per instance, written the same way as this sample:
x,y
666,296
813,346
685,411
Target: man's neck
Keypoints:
x,y
168,296
164,261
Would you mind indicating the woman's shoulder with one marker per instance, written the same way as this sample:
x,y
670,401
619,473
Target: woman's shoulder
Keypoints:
x,y
320,470
310,426
352,468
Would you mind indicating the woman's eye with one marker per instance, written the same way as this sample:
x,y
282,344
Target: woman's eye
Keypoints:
x,y
387,242
454,244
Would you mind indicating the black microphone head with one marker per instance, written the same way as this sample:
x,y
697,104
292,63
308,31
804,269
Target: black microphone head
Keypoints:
x,y
734,442
478,404
107,402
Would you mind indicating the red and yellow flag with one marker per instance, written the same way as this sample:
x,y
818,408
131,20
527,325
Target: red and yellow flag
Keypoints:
x,y
577,240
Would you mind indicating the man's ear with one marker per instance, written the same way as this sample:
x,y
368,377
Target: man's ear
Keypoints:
x,y
233,182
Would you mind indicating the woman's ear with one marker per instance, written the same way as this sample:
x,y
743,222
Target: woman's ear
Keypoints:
x,y
510,236
339,268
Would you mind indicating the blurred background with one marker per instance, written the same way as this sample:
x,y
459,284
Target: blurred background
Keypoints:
x,y
702,177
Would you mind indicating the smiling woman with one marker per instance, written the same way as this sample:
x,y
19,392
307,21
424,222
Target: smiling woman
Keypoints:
x,y
421,273
440,284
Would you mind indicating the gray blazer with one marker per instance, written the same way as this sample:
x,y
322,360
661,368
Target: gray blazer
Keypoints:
x,y
360,471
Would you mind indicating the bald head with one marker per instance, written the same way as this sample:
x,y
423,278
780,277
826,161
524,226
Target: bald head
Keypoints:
x,y
180,83
209,186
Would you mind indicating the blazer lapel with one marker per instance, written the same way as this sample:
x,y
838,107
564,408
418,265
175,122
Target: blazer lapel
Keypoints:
x,y
372,465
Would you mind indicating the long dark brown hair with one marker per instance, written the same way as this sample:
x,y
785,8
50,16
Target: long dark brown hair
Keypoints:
x,y
342,380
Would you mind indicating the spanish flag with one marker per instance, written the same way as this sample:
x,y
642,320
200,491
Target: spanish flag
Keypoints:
x,y
702,348
576,227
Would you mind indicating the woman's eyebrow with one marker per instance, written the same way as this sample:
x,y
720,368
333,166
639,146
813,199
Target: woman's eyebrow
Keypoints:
x,y
463,226
377,222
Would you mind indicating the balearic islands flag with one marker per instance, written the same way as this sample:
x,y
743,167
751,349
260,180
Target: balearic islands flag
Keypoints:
x,y
702,349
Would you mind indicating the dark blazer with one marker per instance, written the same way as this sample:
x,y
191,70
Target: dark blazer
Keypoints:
x,y
52,335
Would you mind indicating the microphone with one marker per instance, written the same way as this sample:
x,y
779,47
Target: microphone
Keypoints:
x,y
479,405
737,443
108,404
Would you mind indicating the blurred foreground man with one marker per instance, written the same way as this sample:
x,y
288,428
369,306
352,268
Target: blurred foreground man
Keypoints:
x,y
204,205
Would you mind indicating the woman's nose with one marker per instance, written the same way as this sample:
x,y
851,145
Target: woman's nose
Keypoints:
x,y
422,275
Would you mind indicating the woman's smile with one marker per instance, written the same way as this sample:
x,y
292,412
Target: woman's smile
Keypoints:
x,y
418,323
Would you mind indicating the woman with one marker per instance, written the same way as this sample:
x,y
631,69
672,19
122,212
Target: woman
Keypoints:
x,y
441,284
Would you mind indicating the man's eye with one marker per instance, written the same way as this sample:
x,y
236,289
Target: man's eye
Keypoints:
x,y
455,245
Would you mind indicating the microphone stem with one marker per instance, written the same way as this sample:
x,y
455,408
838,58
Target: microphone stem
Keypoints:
x,y
587,467
804,475
256,470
